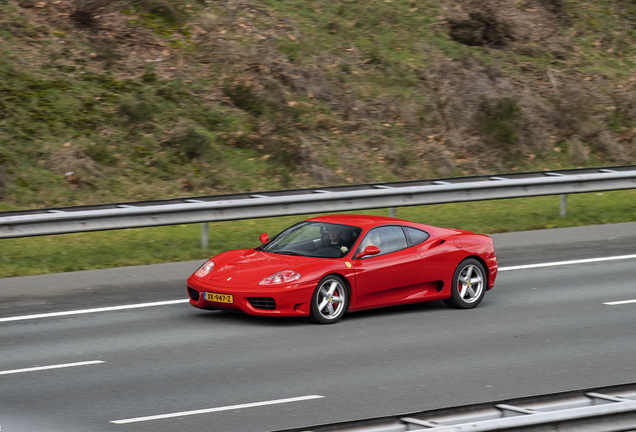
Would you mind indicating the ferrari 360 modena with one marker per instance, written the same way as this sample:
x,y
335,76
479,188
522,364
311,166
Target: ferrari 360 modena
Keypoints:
x,y
326,266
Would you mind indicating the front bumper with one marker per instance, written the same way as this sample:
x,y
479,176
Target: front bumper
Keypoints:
x,y
493,268
286,300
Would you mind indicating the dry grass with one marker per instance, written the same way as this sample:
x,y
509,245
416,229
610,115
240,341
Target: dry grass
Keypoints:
x,y
228,96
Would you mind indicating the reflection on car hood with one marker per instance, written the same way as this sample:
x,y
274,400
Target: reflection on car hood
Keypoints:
x,y
253,266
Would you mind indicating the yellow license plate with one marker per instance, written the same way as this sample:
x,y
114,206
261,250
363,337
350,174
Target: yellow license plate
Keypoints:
x,y
219,298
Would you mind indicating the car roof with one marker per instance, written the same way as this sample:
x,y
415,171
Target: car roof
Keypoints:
x,y
363,221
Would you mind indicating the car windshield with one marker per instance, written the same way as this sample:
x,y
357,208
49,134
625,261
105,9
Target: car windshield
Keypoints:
x,y
314,239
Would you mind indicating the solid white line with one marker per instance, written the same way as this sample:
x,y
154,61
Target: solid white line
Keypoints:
x,y
60,366
87,311
560,263
622,302
217,409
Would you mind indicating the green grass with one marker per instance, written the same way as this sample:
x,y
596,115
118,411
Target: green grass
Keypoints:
x,y
73,252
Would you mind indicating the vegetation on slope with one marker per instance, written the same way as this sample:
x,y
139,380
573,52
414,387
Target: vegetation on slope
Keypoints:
x,y
112,100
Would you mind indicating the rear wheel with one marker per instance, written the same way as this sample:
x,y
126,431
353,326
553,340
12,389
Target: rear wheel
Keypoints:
x,y
330,300
469,285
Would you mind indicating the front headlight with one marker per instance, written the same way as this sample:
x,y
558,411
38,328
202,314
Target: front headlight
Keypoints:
x,y
205,269
280,277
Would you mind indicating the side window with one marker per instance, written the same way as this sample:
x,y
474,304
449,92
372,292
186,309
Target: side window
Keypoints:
x,y
415,236
388,239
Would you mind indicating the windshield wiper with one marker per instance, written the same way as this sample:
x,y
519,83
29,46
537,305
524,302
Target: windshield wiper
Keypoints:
x,y
288,253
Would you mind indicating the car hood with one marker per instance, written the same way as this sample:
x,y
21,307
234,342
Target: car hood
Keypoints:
x,y
252,266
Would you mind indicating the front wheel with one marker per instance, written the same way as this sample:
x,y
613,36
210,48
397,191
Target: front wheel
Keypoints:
x,y
329,301
469,285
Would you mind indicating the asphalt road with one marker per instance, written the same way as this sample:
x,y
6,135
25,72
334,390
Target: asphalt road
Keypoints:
x,y
540,330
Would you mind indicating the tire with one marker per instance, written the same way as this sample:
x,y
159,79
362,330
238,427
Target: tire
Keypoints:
x,y
329,301
469,285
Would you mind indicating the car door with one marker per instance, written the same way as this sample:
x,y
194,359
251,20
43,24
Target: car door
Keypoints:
x,y
434,263
388,276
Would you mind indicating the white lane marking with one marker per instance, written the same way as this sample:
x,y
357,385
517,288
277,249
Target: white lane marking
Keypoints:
x,y
622,302
59,366
87,311
217,409
560,263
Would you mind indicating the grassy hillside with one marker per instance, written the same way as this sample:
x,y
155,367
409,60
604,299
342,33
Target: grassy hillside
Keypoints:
x,y
110,100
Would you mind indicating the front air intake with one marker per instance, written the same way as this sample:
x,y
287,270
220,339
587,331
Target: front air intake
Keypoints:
x,y
194,294
266,303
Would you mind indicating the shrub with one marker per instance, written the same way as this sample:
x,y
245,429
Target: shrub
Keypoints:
x,y
4,179
482,28
137,111
101,154
189,140
244,98
162,9
554,6
500,123
84,11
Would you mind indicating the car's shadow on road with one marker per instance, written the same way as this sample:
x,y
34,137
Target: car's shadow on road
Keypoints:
x,y
241,319
409,309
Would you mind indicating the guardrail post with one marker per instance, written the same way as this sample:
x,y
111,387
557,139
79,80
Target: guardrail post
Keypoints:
x,y
564,205
392,212
204,235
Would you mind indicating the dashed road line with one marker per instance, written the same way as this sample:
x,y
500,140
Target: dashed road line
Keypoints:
x,y
59,366
217,409
622,302
95,310
561,263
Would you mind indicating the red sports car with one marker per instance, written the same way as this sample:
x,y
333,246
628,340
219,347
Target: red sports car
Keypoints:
x,y
325,266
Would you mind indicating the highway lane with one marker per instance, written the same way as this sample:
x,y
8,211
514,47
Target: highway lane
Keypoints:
x,y
540,330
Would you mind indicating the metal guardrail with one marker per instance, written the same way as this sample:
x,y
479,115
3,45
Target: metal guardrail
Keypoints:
x,y
305,201
606,409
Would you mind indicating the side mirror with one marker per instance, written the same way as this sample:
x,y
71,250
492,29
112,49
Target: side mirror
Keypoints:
x,y
263,238
370,250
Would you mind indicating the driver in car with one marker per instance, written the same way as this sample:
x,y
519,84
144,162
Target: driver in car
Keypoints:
x,y
335,239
